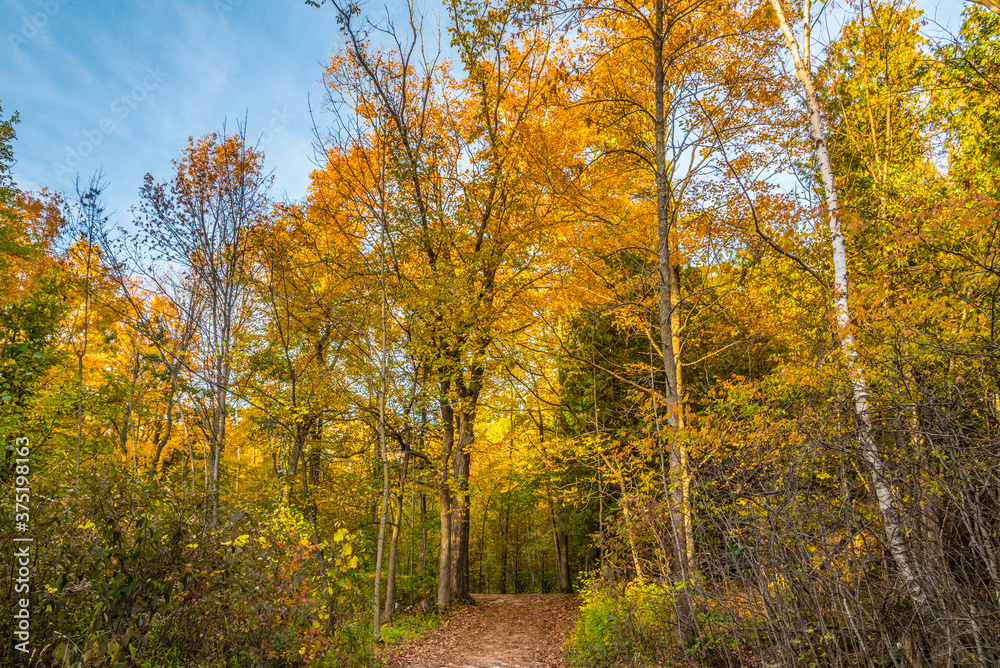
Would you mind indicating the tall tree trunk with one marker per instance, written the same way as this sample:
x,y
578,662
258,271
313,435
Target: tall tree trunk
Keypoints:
x,y
444,505
562,552
390,582
460,508
306,501
683,616
133,377
303,429
531,562
383,452
413,527
444,555
423,535
887,503
675,328
504,529
217,441
397,527
79,393
82,352
168,427
482,544
517,553
384,509
187,439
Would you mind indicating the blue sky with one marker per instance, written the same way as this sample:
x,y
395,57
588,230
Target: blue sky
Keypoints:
x,y
120,86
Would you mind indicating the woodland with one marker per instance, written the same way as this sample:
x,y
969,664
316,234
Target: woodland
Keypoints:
x,y
688,308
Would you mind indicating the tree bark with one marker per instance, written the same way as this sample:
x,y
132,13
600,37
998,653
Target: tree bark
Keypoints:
x,y
168,427
505,528
444,506
397,527
303,429
517,553
991,5
187,439
460,509
482,543
683,616
887,503
685,468
561,541
383,451
377,597
423,535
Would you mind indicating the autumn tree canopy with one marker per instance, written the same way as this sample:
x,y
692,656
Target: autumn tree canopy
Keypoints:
x,y
689,308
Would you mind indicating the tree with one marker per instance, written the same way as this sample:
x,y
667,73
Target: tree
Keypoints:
x,y
10,244
200,221
87,223
302,363
464,243
31,304
887,503
869,86
663,94
966,96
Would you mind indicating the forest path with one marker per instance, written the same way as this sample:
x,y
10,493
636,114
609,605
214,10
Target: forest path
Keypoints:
x,y
500,631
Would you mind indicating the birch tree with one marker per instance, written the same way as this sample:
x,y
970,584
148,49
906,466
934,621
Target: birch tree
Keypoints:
x,y
888,504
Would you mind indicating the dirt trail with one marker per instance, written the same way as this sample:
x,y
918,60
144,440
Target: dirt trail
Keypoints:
x,y
501,631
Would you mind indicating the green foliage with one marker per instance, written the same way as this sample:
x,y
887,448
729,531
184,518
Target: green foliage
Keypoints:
x,y
28,328
615,350
134,573
877,140
630,626
969,100
11,242
7,135
409,626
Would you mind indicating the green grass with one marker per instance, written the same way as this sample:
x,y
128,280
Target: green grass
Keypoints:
x,y
405,627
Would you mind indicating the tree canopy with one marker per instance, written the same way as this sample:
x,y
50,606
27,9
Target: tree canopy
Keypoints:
x,y
672,305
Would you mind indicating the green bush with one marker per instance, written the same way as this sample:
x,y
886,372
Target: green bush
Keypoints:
x,y
137,574
623,627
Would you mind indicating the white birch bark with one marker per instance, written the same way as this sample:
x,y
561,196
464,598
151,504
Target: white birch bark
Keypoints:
x,y
887,503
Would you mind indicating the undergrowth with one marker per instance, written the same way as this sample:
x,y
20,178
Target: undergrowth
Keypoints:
x,y
619,626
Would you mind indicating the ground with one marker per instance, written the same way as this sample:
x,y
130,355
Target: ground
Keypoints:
x,y
500,631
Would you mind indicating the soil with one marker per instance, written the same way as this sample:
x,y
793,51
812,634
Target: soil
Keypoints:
x,y
500,631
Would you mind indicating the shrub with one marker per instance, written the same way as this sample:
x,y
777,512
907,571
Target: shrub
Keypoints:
x,y
623,627
133,573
